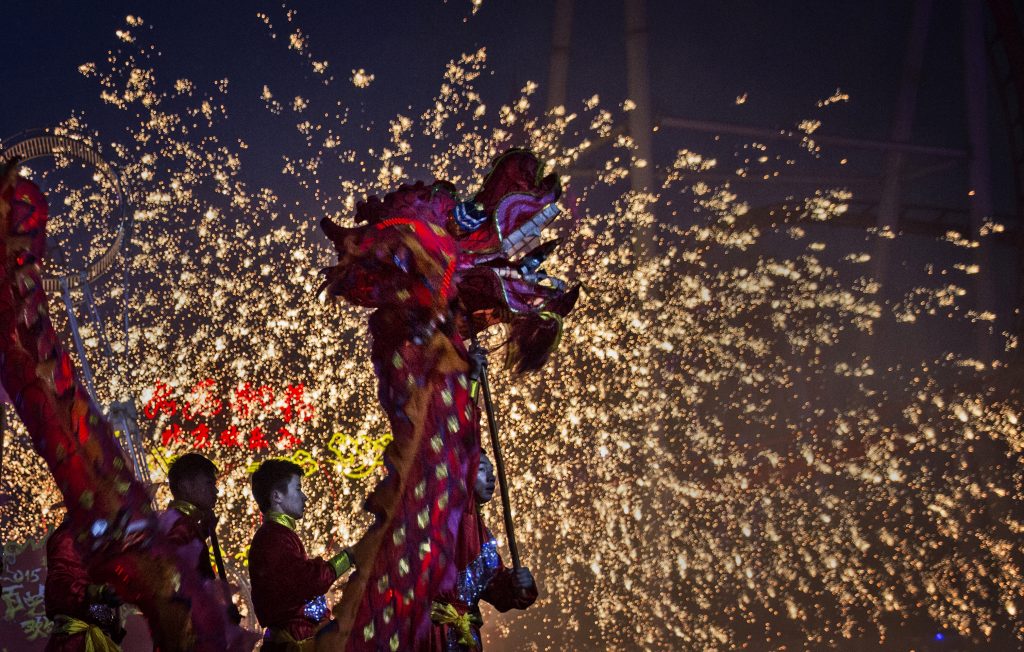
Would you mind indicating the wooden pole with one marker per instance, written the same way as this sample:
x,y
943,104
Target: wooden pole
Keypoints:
x,y
218,558
499,462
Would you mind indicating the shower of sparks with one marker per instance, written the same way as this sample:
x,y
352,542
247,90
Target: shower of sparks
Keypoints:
x,y
361,78
474,6
712,461
838,96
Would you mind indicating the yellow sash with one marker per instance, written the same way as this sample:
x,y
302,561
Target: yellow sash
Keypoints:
x,y
443,613
96,640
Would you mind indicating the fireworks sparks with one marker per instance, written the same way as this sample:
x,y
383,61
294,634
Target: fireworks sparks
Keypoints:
x,y
361,79
712,462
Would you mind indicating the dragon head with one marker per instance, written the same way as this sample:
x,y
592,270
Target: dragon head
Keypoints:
x,y
420,247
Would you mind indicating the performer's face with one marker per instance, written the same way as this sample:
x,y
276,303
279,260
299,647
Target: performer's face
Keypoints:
x,y
207,491
484,487
292,501
200,490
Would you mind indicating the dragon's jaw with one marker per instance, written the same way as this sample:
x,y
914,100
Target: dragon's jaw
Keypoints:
x,y
538,278
528,235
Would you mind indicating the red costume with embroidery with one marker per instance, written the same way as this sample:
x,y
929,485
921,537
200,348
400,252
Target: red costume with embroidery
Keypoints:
x,y
482,576
437,270
288,587
68,597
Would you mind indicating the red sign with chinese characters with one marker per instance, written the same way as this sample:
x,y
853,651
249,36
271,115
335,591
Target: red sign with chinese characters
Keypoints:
x,y
249,416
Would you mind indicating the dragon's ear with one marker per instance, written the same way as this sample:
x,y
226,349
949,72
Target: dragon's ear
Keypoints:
x,y
9,171
563,304
330,227
552,183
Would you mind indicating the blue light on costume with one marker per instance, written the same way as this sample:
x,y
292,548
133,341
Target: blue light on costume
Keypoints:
x,y
468,216
478,574
316,609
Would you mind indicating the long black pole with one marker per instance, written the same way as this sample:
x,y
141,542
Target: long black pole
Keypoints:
x,y
499,462
217,557
3,436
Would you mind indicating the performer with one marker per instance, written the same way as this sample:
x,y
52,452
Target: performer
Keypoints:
x,y
85,615
287,586
482,576
189,517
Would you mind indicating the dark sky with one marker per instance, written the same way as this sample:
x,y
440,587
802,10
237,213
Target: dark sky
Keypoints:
x,y
785,55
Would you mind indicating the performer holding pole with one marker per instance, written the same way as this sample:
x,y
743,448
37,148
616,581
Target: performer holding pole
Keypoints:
x,y
438,268
188,517
288,586
482,576
85,615
189,520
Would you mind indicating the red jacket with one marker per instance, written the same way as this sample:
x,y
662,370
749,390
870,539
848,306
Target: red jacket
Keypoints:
x,y
67,584
284,580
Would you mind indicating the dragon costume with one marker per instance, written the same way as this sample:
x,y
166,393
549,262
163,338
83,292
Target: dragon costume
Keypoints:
x,y
437,271
109,513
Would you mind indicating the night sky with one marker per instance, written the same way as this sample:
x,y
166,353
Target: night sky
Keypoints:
x,y
786,56
783,56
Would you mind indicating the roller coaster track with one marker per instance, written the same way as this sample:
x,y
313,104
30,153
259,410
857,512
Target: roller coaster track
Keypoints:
x,y
40,144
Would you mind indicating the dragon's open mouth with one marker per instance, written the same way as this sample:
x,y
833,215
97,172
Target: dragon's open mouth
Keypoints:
x,y
527,269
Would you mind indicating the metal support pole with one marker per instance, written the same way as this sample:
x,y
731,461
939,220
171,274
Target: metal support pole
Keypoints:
x,y
126,387
979,163
73,322
558,73
714,127
125,419
889,204
639,89
121,425
499,463
90,302
903,122
902,126
3,436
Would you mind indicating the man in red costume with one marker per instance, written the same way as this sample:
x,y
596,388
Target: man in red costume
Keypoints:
x,y
287,586
85,615
189,517
482,576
